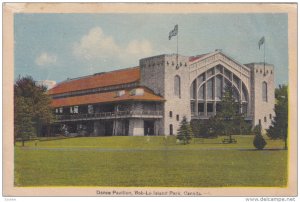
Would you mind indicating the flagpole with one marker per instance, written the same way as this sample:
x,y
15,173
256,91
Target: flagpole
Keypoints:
x,y
264,57
177,46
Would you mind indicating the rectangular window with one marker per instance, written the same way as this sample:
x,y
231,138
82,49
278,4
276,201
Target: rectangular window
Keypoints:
x,y
210,107
265,91
90,109
193,107
201,92
171,129
201,107
265,119
271,116
61,110
177,117
210,89
259,122
75,110
171,114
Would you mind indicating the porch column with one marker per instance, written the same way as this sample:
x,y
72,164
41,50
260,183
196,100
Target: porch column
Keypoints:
x,y
241,95
196,97
205,95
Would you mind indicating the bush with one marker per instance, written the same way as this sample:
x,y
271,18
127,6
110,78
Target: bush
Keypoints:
x,y
259,142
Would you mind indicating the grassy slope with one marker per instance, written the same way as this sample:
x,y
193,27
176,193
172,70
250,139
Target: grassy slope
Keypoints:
x,y
184,167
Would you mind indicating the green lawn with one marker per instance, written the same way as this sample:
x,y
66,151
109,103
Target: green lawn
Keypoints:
x,y
149,161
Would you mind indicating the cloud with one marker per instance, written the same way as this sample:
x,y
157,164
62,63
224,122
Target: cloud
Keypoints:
x,y
96,45
136,47
45,59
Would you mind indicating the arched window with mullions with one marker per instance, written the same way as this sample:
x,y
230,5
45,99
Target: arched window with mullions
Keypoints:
x,y
265,91
177,92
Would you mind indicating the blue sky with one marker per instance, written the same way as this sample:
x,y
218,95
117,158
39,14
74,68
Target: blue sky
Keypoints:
x,y
61,46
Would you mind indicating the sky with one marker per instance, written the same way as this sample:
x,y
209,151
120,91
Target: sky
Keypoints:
x,y
60,46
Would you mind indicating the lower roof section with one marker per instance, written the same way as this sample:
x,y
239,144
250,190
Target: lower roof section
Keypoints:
x,y
107,97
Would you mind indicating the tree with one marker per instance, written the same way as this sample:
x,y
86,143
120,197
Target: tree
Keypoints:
x,y
23,125
32,108
185,132
259,141
229,119
279,126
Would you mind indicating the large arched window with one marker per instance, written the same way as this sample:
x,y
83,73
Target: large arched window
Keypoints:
x,y
177,86
265,91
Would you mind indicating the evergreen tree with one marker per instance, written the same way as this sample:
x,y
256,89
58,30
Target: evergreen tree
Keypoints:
x,y
32,108
228,120
185,132
279,127
259,141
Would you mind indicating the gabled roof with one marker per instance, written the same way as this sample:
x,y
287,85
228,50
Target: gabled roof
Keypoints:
x,y
106,97
112,78
198,58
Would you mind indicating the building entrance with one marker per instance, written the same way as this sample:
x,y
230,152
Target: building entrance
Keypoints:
x,y
148,128
108,128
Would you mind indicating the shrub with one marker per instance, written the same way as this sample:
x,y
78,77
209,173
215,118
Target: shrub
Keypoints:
x,y
259,142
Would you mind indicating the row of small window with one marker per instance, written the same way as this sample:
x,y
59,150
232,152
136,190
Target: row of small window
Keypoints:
x,y
161,63
265,118
171,115
180,64
73,110
261,71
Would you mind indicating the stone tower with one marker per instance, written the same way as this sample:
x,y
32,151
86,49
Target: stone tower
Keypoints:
x,y
168,76
262,91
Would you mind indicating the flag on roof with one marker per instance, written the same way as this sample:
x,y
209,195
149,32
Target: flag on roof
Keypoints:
x,y
173,32
261,41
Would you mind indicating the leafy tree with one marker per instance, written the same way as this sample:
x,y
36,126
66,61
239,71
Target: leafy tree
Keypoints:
x,y
23,125
228,120
32,108
279,127
185,132
202,128
259,141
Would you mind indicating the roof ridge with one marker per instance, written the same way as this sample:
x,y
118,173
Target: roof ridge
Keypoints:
x,y
96,74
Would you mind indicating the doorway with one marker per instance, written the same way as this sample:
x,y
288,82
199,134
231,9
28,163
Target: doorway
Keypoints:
x,y
148,128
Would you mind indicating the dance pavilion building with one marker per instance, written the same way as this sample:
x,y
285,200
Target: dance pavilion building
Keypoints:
x,y
152,99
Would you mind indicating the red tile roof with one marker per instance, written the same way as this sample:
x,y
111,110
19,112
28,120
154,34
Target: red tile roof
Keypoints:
x,y
117,77
194,58
105,97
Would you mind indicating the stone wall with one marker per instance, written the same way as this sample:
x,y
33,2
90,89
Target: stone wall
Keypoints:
x,y
152,74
